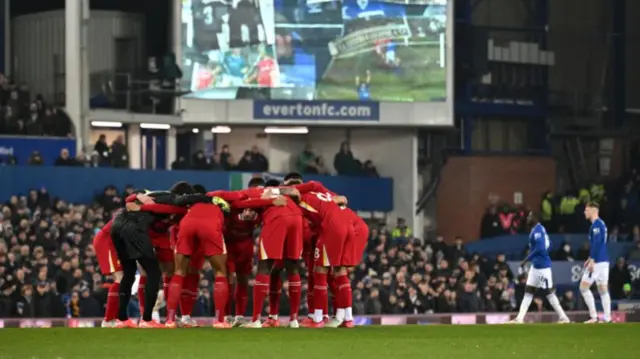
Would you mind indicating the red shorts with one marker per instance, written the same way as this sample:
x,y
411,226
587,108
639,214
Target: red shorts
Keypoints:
x,y
106,253
162,245
195,236
240,256
278,264
358,243
281,238
334,246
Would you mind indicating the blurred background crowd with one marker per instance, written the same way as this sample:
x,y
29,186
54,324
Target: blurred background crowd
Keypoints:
x,y
48,267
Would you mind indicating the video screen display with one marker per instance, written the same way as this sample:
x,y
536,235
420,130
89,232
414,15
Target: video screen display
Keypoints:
x,y
391,50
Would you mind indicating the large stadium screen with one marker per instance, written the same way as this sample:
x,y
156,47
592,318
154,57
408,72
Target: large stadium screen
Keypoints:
x,y
382,50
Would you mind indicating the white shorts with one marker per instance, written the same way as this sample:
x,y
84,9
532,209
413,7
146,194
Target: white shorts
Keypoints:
x,y
540,278
390,57
600,274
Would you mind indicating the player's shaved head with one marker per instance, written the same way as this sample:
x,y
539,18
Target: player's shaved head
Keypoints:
x,y
181,187
256,182
293,178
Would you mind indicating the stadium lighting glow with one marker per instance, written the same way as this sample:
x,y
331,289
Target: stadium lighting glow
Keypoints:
x,y
221,129
195,130
287,130
155,126
106,124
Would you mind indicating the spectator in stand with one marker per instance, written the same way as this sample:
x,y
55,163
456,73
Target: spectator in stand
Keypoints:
x,y
33,124
102,149
65,159
227,161
402,233
634,253
564,253
36,159
344,162
259,163
618,278
369,170
200,162
321,167
306,161
180,164
490,226
119,154
245,163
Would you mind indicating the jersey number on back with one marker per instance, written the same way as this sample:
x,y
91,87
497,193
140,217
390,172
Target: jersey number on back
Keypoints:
x,y
325,197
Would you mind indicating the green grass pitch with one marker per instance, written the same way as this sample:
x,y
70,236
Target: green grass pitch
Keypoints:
x,y
542,341
421,79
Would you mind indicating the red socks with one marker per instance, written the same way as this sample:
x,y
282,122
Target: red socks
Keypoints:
x,y
220,296
165,286
333,287
343,293
189,293
175,292
310,282
275,288
141,285
294,295
113,301
260,292
241,297
319,295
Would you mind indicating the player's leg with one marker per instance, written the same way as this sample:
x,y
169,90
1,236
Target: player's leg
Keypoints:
x,y
585,289
243,269
321,269
154,276
221,287
109,265
189,293
185,248
270,248
602,281
534,281
344,297
113,301
551,296
167,267
215,252
142,285
129,268
292,254
275,289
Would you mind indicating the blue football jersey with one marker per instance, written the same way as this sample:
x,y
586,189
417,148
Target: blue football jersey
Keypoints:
x,y
598,241
539,245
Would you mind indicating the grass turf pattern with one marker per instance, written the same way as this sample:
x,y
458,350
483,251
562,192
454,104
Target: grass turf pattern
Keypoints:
x,y
537,341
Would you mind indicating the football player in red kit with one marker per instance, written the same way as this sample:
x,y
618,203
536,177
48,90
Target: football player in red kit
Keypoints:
x,y
238,235
280,238
275,283
201,229
109,265
334,247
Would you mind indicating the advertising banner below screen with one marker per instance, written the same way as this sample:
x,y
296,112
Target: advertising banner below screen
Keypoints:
x,y
381,50
319,110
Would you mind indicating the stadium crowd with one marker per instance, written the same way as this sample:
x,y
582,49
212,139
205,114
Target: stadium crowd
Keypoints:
x,y
48,267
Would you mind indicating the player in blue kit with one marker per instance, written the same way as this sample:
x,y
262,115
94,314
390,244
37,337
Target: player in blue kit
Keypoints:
x,y
596,266
363,87
233,67
539,276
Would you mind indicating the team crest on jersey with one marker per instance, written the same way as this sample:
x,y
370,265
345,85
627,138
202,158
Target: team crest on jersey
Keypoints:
x,y
363,4
596,230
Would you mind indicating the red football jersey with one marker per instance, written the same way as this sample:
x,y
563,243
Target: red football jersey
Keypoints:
x,y
317,202
237,227
272,212
266,67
